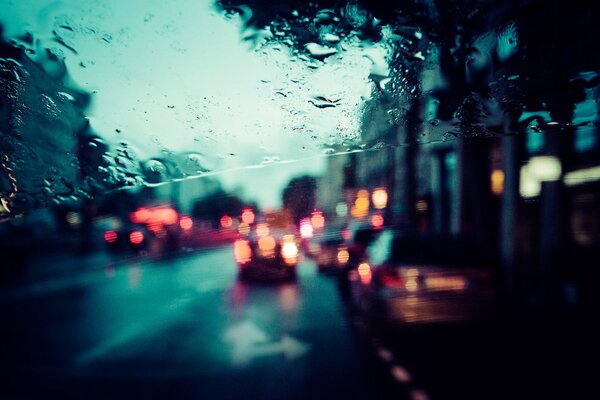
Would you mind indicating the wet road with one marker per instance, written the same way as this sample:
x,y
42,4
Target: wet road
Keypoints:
x,y
184,328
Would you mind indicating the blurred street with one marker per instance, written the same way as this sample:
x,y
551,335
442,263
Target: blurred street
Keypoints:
x,y
185,327
181,327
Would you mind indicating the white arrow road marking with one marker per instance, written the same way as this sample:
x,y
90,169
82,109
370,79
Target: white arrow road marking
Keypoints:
x,y
251,342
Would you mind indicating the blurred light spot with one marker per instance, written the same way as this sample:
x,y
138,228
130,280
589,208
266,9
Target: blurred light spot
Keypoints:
x,y
343,256
136,237
545,168
266,245
364,273
412,273
244,228
262,230
346,234
497,181
400,374
380,198
226,221
411,285
110,236
385,354
418,394
361,204
317,220
377,221
73,218
306,229
341,209
242,251
529,186
581,176
421,206
289,250
186,223
248,216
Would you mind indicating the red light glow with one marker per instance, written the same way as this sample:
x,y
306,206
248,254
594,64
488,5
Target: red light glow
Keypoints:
x,y
226,221
377,221
136,237
186,223
110,236
248,216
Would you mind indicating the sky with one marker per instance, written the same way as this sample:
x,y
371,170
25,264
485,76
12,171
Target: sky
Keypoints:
x,y
175,77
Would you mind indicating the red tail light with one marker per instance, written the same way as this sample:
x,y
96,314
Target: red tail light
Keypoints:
x,y
136,237
110,236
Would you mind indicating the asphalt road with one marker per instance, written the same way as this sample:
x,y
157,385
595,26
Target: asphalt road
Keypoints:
x,y
183,328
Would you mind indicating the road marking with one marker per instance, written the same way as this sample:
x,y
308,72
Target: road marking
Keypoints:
x,y
133,332
249,342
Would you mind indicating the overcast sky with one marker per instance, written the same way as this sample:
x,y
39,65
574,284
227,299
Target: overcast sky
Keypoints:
x,y
175,76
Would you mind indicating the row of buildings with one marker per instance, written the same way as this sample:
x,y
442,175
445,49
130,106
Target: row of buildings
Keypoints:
x,y
527,189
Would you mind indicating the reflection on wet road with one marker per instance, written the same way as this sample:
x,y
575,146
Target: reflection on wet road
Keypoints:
x,y
184,326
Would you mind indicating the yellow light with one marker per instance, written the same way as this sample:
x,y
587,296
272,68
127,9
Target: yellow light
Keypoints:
x,y
412,272
379,198
343,256
289,251
497,181
421,206
262,230
364,273
242,251
411,284
244,228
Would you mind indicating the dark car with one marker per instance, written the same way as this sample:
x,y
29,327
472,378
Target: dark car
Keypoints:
x,y
407,280
127,238
270,256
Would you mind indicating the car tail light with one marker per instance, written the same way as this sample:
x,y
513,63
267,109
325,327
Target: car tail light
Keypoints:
x,y
242,251
110,236
136,238
266,245
406,279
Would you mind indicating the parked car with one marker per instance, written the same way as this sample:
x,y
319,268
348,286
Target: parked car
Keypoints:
x,y
407,280
267,256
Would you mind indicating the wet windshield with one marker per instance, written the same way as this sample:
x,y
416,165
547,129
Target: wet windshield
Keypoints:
x,y
204,195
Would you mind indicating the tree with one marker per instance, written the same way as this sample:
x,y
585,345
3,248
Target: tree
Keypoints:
x,y
299,196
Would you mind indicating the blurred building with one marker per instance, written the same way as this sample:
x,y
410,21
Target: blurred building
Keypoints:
x,y
527,187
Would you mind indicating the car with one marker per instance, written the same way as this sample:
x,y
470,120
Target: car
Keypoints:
x,y
127,238
407,280
267,255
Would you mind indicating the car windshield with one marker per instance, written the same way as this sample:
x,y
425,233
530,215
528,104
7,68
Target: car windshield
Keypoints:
x,y
156,157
